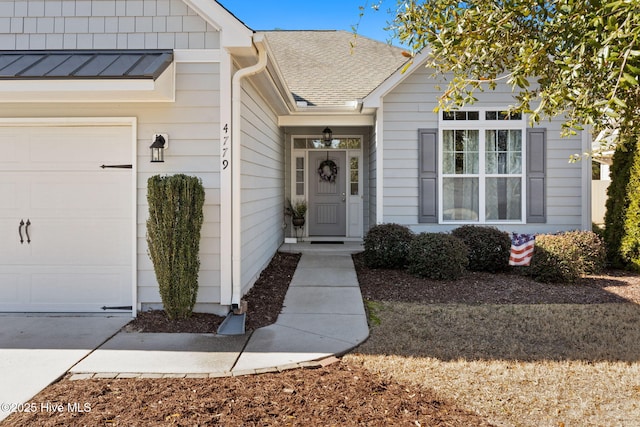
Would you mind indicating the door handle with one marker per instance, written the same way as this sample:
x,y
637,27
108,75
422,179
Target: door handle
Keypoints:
x,y
20,231
344,197
26,230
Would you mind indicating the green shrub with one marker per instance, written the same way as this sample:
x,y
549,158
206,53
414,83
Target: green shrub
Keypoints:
x,y
555,260
386,246
488,247
622,218
437,256
173,237
591,252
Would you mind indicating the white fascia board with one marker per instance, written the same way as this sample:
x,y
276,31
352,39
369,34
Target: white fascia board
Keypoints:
x,y
374,99
91,90
233,33
196,55
325,120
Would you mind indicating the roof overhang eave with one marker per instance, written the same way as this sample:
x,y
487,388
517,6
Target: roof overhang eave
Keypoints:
x,y
122,89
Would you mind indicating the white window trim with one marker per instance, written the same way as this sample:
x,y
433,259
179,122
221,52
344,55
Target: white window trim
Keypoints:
x,y
482,125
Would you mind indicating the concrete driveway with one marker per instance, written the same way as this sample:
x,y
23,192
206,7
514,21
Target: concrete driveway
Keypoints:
x,y
37,350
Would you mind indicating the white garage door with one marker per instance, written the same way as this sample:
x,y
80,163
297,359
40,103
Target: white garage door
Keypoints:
x,y
65,223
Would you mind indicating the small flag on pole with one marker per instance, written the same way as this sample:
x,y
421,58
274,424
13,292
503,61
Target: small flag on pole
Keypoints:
x,y
521,249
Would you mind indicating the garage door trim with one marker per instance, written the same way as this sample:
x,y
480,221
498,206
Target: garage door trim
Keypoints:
x,y
131,122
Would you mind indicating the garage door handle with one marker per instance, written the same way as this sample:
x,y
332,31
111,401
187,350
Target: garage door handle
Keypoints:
x,y
20,230
26,230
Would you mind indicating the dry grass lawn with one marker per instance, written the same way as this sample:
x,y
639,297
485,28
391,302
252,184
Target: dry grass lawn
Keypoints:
x,y
516,365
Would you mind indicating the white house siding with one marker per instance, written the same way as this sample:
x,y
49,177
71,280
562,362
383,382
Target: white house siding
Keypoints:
x,y
193,127
192,121
263,171
372,183
103,24
409,107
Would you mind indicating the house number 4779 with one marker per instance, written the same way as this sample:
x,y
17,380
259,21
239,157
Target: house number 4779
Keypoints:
x,y
225,146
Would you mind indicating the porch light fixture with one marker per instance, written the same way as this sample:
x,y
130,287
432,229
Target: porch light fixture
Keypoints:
x,y
158,147
327,137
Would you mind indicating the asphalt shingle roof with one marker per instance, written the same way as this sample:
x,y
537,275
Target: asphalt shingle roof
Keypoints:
x,y
65,64
321,67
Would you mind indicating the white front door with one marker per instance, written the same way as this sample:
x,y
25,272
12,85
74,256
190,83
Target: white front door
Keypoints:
x,y
65,223
327,197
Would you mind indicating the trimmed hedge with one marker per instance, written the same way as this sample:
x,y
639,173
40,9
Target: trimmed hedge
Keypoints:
x,y
437,256
591,251
173,236
488,247
564,257
386,246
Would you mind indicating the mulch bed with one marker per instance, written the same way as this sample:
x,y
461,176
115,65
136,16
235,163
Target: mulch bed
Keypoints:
x,y
486,288
339,394
264,302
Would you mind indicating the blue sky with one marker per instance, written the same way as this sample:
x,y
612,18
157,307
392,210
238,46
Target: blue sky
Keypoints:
x,y
312,15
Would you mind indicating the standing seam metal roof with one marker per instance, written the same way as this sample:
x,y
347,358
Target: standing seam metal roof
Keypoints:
x,y
84,64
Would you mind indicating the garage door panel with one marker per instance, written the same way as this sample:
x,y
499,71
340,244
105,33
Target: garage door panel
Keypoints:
x,y
97,194
12,285
81,250
14,148
80,241
91,146
14,194
11,250
98,287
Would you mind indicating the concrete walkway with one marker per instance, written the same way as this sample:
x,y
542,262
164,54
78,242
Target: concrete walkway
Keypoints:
x,y
323,315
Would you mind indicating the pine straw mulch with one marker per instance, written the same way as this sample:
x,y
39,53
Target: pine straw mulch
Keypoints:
x,y
342,394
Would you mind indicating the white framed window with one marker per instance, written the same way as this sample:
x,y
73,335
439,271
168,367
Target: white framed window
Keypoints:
x,y
482,163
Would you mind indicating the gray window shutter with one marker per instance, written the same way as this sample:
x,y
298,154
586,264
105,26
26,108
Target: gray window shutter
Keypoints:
x,y
536,171
428,175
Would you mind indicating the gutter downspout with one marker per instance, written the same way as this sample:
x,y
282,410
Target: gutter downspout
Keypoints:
x,y
236,168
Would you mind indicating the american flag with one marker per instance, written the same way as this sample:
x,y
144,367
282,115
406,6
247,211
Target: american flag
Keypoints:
x,y
521,249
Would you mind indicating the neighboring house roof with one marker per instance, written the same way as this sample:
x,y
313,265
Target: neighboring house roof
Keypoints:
x,y
324,70
84,64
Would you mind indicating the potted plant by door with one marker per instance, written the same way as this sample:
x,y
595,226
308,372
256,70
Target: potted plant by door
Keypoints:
x,y
297,212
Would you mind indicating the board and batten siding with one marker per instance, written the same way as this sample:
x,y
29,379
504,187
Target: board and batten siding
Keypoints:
x,y
409,107
263,181
192,123
103,24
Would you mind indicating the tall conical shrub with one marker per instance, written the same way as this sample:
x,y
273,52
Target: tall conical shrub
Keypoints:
x,y
622,219
173,237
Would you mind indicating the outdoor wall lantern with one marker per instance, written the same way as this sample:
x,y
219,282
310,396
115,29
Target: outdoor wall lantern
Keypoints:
x,y
327,137
160,143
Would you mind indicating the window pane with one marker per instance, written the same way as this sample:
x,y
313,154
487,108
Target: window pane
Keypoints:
x,y
354,175
491,115
447,115
491,165
473,115
447,140
515,163
503,140
515,140
472,140
299,143
448,160
299,162
300,189
299,176
503,199
460,199
461,115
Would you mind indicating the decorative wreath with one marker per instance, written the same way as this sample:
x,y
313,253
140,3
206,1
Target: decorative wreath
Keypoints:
x,y
328,171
